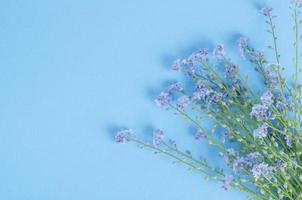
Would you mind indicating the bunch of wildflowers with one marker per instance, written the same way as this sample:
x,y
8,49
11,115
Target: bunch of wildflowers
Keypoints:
x,y
258,136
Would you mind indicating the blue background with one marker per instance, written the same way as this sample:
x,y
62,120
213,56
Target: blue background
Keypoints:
x,y
72,72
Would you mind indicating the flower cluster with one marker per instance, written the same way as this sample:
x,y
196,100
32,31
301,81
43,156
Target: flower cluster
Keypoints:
x,y
158,136
242,45
258,134
122,136
262,170
260,111
200,135
261,131
266,11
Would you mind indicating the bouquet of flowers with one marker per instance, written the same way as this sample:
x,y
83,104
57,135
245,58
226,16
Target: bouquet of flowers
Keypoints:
x,y
258,133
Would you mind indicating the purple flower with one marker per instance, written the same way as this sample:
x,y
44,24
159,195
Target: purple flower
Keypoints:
x,y
158,136
231,70
238,85
202,54
271,75
280,105
163,99
200,136
289,103
259,111
191,70
279,164
227,182
288,141
266,11
122,136
219,52
242,45
266,98
217,96
259,57
197,95
297,2
190,60
261,131
248,161
201,92
256,57
176,65
238,164
262,169
229,155
174,87
231,152
183,102
251,159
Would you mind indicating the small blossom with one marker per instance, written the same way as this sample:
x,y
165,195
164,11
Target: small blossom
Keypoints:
x,y
190,60
251,159
238,85
231,152
191,70
271,75
174,87
224,96
211,100
260,57
197,95
200,135
229,155
227,182
266,11
261,131
216,97
262,169
163,99
266,98
158,136
259,111
288,141
280,105
256,57
176,65
183,102
242,45
122,136
248,161
201,92
297,2
202,54
219,52
289,102
238,164
279,164
231,70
